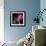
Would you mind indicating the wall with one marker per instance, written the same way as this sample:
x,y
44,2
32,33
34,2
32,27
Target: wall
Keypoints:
x,y
42,6
1,21
30,6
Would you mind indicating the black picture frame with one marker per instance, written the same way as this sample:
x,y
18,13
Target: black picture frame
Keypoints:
x,y
17,18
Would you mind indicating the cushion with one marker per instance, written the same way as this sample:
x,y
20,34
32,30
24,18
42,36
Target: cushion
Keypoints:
x,y
20,42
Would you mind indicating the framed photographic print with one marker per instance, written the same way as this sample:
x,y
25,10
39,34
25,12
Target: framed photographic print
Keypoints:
x,y
17,18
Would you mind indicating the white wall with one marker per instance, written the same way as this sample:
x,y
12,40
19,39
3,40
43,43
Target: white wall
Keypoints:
x,y
1,21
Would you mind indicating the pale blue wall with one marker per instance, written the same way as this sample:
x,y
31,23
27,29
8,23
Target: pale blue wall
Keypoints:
x,y
43,6
30,6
